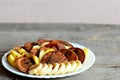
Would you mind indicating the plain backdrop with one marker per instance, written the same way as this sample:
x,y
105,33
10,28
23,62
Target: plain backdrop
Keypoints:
x,y
60,11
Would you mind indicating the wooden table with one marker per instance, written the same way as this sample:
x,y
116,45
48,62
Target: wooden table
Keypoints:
x,y
103,40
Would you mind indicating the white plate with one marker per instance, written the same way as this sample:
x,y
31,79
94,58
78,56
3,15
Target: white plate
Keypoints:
x,y
89,61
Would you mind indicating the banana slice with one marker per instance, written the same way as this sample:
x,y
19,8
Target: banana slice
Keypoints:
x,y
61,69
45,43
36,47
48,71
35,69
55,68
73,66
67,68
78,65
67,47
44,52
43,70
41,55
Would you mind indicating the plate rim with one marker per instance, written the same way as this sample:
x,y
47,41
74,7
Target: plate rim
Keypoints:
x,y
5,63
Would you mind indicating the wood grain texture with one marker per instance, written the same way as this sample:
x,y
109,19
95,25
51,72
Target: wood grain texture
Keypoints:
x,y
103,40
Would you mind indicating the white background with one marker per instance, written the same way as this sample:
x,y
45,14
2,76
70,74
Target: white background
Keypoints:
x,y
65,11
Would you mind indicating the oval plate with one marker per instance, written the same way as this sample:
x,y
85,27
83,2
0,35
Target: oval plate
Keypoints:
x,y
89,61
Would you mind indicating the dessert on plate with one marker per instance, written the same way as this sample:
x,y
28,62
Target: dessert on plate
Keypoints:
x,y
47,57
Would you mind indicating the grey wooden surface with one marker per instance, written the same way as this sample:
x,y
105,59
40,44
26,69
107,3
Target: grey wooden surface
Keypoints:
x,y
103,40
